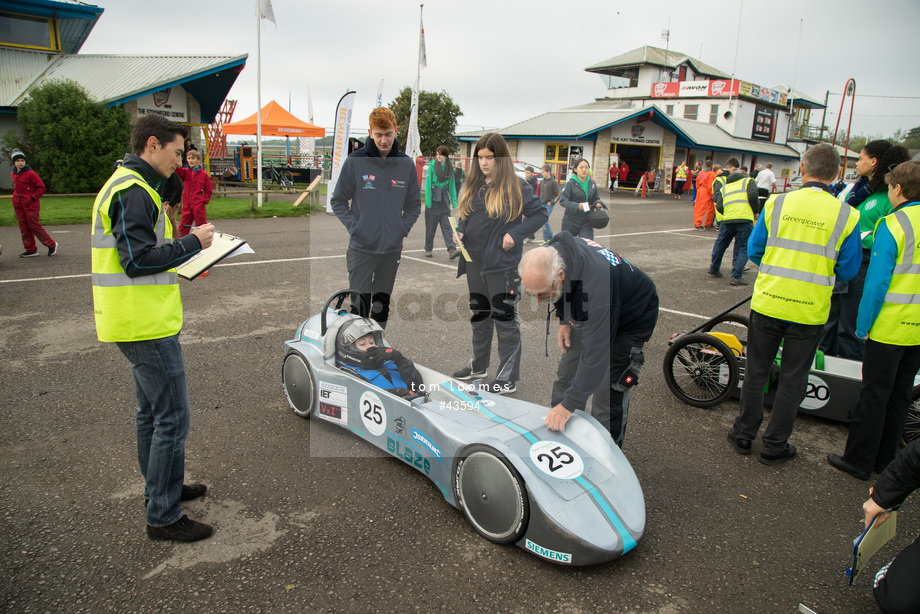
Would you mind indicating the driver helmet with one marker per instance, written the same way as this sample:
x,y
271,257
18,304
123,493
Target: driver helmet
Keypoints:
x,y
598,217
349,354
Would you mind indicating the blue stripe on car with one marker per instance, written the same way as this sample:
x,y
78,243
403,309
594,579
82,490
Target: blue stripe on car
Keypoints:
x,y
628,542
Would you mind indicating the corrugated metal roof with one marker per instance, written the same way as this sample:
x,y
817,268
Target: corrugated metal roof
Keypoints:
x,y
109,78
709,135
19,68
657,56
566,122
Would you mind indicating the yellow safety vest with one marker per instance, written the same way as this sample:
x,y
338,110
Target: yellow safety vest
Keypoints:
x,y
806,230
681,173
898,321
735,205
131,309
717,184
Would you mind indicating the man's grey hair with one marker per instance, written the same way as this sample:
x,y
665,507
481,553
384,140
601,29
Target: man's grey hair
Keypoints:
x,y
821,162
759,167
545,261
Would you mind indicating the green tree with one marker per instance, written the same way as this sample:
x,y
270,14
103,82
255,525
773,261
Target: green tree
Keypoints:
x,y
912,138
69,139
437,119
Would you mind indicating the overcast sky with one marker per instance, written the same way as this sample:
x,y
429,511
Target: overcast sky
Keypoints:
x,y
503,62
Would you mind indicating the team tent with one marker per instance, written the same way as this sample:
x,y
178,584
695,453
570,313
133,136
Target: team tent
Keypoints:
x,y
275,122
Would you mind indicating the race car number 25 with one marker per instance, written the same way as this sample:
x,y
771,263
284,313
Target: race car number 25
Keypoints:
x,y
557,459
373,414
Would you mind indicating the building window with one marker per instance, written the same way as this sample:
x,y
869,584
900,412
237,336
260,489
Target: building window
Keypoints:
x,y
713,113
24,31
670,109
691,110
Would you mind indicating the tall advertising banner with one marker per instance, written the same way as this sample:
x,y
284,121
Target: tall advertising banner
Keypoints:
x,y
339,143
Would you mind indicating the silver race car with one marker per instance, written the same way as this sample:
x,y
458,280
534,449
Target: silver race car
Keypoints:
x,y
571,497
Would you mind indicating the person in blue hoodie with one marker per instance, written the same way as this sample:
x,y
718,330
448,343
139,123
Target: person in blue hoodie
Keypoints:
x,y
377,198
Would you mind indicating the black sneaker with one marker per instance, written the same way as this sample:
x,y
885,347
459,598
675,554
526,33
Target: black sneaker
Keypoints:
x,y
714,273
453,252
741,446
183,530
771,459
738,281
428,253
28,254
192,491
499,387
467,373
53,250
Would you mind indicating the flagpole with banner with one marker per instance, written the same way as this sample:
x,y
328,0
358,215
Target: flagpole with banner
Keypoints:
x,y
413,140
379,95
263,11
339,143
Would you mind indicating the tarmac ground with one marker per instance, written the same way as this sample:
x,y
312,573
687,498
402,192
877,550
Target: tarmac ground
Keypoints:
x,y
298,531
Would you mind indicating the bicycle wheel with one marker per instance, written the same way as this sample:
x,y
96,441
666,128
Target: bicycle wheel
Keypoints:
x,y
287,181
700,370
268,179
729,323
912,426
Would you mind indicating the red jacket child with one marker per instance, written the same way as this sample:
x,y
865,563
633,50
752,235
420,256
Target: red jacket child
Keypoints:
x,y
196,194
27,190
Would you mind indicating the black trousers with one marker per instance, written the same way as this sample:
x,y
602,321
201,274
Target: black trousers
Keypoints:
x,y
888,373
610,402
896,584
493,301
799,344
438,214
373,275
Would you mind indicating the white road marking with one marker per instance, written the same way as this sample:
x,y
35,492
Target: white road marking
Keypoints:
x,y
411,251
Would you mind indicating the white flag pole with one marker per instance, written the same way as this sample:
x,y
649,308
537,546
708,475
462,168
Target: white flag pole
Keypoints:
x,y
259,99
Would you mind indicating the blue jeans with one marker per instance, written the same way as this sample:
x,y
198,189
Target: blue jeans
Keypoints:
x,y
547,231
162,423
740,233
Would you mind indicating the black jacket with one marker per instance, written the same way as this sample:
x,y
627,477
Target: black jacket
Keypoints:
x,y
602,296
134,216
384,195
899,479
494,258
571,198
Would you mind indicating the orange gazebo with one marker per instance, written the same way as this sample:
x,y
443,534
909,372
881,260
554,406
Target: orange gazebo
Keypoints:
x,y
275,122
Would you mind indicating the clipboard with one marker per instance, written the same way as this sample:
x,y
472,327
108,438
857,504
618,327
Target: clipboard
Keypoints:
x,y
453,224
870,542
222,246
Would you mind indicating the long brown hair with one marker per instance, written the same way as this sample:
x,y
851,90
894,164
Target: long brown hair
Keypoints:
x,y
504,198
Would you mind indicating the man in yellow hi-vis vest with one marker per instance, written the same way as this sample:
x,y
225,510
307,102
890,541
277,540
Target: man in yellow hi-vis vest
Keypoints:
x,y
800,242
137,305
735,198
889,315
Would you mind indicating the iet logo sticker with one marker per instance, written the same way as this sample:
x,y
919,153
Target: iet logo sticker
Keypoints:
x,y
396,183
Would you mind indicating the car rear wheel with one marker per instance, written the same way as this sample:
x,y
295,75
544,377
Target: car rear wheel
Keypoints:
x,y
299,384
700,370
491,494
